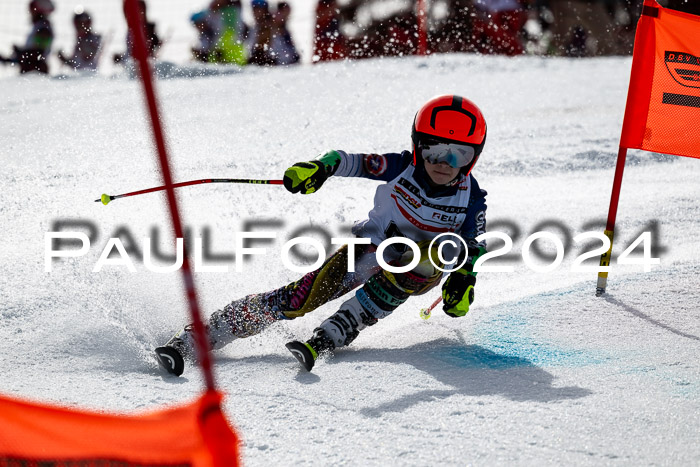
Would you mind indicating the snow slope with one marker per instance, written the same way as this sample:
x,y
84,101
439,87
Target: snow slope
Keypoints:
x,y
539,372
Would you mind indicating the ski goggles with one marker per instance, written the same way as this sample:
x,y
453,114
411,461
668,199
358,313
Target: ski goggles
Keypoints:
x,y
456,155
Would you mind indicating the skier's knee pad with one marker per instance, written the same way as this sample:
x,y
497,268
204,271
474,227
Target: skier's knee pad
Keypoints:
x,y
424,276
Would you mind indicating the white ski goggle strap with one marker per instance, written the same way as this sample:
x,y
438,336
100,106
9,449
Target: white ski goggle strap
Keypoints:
x,y
456,155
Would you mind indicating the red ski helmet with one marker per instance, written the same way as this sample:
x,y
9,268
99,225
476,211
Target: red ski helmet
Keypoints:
x,y
449,128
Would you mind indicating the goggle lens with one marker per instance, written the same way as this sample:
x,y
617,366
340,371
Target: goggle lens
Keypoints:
x,y
456,155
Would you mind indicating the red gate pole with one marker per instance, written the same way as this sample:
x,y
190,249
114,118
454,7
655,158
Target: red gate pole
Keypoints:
x,y
612,215
140,55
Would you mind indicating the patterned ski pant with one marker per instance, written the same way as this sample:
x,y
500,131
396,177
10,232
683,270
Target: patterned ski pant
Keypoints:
x,y
252,314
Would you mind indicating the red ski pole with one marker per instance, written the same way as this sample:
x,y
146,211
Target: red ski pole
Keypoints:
x,y
105,198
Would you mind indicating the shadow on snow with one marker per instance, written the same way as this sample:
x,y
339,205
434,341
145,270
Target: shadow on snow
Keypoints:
x,y
470,370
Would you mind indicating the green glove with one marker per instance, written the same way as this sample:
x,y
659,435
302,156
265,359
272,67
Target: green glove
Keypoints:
x,y
307,177
458,293
458,289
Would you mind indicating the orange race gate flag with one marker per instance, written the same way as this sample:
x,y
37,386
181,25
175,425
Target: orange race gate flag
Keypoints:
x,y
663,101
195,434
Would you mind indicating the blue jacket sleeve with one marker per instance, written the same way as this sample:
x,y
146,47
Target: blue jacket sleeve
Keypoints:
x,y
384,167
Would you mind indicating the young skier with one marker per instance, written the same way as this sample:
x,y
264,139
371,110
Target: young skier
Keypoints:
x,y
32,57
86,52
428,191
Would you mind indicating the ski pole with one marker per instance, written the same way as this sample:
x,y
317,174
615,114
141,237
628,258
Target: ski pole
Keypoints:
x,y
105,198
425,312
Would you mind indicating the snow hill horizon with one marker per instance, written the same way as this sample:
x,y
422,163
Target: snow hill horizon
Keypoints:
x,y
539,372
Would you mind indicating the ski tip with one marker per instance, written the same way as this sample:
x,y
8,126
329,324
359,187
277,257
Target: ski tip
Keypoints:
x,y
171,360
105,198
303,353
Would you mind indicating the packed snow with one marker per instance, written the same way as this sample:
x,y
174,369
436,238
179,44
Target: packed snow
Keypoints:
x,y
539,372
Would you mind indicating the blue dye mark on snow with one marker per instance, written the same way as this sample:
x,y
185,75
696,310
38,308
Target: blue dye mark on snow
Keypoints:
x,y
679,379
475,356
509,342
503,355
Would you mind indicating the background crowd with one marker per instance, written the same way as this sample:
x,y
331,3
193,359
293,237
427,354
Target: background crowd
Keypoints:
x,y
357,29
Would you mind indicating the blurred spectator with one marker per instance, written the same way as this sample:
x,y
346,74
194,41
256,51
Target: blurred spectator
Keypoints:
x,y
206,35
395,36
283,48
228,25
455,34
260,35
627,17
403,34
87,44
597,34
329,41
498,25
32,57
153,42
